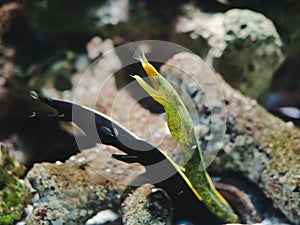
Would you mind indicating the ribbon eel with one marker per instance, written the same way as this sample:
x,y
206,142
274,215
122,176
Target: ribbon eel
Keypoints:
x,y
186,199
181,127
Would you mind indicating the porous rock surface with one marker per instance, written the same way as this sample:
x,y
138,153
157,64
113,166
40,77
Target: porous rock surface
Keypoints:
x,y
244,46
70,192
147,205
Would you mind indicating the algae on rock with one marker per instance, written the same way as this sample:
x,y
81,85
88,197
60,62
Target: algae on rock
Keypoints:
x,y
14,195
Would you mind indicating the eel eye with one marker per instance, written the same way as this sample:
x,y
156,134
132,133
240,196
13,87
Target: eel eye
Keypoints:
x,y
116,133
108,132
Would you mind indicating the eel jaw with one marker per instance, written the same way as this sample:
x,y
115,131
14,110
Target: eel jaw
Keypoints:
x,y
150,90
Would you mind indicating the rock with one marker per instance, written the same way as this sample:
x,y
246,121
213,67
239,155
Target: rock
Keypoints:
x,y
239,3
14,194
74,191
192,33
104,217
271,221
113,12
264,148
84,18
121,20
244,46
147,205
286,23
252,54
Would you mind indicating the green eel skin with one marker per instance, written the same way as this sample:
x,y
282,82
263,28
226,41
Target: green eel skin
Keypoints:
x,y
181,127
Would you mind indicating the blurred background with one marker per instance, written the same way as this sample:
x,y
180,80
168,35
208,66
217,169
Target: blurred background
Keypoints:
x,y
253,44
46,45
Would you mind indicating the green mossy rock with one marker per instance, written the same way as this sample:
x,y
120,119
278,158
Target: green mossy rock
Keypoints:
x,y
14,195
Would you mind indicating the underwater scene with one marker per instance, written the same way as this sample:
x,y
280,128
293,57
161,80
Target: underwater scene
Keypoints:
x,y
140,112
